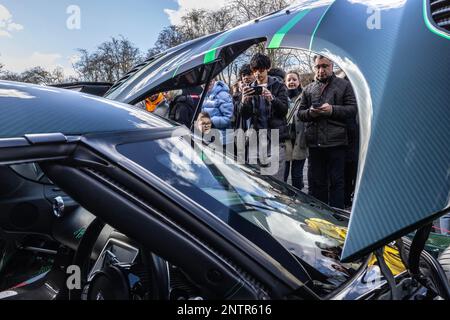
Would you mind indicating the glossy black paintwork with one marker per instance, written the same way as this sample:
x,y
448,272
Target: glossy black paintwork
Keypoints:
x,y
30,109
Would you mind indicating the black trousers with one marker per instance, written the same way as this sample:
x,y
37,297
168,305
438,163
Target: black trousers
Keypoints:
x,y
326,176
296,173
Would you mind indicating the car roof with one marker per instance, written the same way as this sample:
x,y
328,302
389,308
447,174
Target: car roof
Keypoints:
x,y
397,61
31,109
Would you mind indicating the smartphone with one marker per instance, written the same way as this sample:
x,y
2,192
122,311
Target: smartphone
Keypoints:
x,y
316,105
258,90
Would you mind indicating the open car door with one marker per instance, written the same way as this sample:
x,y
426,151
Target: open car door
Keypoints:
x,y
403,178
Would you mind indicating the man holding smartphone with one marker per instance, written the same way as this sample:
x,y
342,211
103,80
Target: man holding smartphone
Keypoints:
x,y
264,107
326,105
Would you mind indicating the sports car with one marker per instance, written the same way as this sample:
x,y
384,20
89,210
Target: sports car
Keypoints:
x,y
101,200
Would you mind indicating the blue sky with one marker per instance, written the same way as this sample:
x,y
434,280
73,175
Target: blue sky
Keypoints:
x,y
35,31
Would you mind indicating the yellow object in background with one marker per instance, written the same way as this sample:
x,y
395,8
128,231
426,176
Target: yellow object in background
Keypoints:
x,y
392,258
391,254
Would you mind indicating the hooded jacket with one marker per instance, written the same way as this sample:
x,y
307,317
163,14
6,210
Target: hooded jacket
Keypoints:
x,y
219,105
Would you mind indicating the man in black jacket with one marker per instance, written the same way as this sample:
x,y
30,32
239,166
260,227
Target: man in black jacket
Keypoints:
x,y
326,105
266,110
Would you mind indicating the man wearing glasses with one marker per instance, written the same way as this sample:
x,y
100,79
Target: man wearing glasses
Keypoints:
x,y
326,105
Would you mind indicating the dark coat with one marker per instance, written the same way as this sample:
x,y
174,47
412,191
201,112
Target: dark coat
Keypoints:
x,y
332,130
182,110
276,110
237,122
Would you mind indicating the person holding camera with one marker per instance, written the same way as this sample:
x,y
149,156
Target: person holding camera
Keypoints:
x,y
326,105
265,106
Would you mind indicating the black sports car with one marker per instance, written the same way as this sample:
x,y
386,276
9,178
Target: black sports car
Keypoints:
x,y
101,200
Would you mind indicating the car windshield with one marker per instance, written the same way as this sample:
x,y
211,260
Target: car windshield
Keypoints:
x,y
237,195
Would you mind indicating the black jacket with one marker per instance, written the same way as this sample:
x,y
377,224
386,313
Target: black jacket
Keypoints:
x,y
328,131
236,119
276,110
182,110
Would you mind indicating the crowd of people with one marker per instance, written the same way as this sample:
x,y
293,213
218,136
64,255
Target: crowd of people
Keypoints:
x,y
315,124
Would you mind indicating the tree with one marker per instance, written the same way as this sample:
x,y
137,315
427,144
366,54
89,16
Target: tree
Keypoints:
x,y
246,10
10,76
39,75
110,61
169,37
220,20
193,24
114,58
36,75
241,11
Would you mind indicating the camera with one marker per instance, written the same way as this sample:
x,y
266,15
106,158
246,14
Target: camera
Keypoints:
x,y
257,90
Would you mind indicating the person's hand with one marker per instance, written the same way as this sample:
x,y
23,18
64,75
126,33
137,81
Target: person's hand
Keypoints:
x,y
267,94
199,125
247,94
241,86
204,126
314,112
326,109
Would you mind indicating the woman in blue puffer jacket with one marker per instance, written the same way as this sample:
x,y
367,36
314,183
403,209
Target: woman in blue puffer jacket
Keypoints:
x,y
219,105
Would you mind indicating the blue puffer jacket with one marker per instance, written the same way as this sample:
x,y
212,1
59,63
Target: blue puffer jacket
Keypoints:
x,y
219,105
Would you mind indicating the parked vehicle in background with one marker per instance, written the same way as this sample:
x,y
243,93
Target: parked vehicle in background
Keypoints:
x,y
95,88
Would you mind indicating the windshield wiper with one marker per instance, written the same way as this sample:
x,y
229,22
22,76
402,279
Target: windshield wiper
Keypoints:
x,y
264,207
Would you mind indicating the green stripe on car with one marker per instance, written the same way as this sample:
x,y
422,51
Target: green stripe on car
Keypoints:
x,y
210,56
430,26
280,34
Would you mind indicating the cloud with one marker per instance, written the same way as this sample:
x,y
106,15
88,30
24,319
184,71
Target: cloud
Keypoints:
x,y
381,4
4,13
48,61
6,23
186,5
15,27
4,34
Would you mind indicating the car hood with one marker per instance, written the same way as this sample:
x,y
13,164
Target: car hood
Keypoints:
x,y
398,65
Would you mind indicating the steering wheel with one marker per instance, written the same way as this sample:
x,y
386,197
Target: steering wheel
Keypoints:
x,y
146,277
